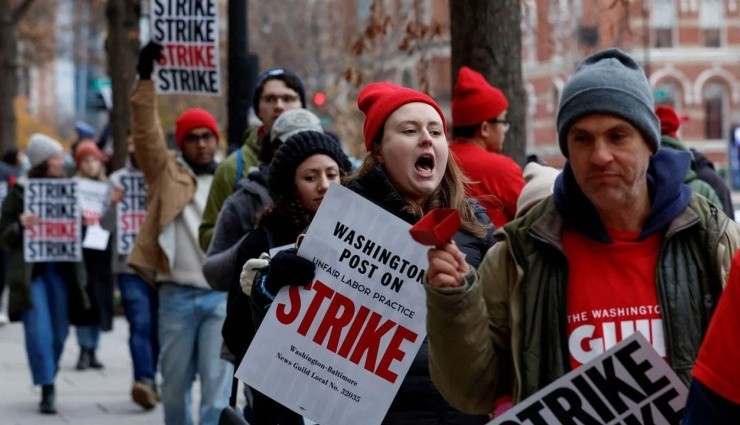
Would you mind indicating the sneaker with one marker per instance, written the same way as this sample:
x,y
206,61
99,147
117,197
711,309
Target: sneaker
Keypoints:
x,y
3,319
144,395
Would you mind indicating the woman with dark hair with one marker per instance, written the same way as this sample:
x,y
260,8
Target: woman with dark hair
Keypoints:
x,y
39,292
298,178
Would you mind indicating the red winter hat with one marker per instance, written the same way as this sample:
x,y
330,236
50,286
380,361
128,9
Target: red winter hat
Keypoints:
x,y
87,148
474,100
669,120
191,119
379,100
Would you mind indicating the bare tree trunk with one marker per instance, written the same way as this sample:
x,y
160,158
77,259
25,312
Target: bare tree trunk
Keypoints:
x,y
9,18
486,36
122,47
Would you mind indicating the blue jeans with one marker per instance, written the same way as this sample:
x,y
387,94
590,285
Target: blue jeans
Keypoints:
x,y
88,337
190,321
46,325
140,302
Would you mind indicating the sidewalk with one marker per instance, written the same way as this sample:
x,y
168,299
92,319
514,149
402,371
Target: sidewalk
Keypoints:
x,y
88,397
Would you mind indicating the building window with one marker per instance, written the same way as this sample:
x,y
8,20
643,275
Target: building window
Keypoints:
x,y
714,108
711,17
663,21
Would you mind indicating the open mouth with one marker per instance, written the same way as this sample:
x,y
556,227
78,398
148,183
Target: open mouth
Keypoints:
x,y
425,164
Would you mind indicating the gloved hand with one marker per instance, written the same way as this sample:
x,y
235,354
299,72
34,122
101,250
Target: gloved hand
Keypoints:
x,y
148,54
249,271
288,268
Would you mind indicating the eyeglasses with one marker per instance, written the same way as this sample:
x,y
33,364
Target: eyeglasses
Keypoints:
x,y
195,138
505,123
273,98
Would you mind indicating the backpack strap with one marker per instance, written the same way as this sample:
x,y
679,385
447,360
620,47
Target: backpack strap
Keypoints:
x,y
239,169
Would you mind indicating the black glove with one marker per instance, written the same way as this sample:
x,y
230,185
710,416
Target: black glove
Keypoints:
x,y
286,268
148,54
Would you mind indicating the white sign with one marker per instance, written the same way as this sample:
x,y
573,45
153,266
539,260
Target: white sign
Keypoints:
x,y
627,384
188,30
93,198
337,350
130,210
56,235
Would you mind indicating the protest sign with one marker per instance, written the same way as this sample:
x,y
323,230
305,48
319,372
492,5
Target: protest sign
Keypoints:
x,y
130,210
93,198
337,350
188,30
628,384
56,235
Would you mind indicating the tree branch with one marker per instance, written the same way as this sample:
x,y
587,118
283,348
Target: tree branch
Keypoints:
x,y
18,13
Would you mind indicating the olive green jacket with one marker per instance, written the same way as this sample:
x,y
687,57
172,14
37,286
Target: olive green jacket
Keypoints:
x,y
504,331
224,183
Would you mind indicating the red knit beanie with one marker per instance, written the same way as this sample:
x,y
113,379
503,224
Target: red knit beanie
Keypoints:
x,y
87,148
191,119
669,120
379,100
474,100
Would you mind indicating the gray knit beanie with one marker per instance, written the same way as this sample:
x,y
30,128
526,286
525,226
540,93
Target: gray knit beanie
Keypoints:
x,y
609,82
41,147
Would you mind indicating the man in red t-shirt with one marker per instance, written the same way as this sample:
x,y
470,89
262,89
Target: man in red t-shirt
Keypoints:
x,y
714,397
479,128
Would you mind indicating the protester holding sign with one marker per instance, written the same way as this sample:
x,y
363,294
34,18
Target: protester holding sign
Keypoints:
x,y
299,176
408,172
622,245
167,255
40,292
88,159
714,396
139,299
277,90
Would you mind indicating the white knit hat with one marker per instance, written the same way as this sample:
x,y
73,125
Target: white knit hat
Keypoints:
x,y
538,183
41,147
294,121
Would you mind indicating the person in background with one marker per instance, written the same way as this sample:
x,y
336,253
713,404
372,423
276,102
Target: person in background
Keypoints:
x,y
620,230
714,394
167,255
139,299
669,123
88,159
276,91
237,220
706,171
479,129
40,292
299,176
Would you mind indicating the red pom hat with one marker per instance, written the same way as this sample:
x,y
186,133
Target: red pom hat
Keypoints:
x,y
87,148
474,100
669,120
379,100
191,119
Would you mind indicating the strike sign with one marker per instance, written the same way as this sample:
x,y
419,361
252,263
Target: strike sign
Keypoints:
x,y
130,210
56,235
337,350
628,384
188,30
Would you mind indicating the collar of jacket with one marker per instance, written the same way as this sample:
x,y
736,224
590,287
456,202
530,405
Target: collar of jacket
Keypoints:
x,y
668,196
375,187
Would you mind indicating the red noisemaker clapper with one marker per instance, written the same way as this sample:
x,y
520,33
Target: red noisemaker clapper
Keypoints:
x,y
436,227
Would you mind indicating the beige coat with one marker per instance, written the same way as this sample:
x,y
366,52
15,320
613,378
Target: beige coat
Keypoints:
x,y
171,184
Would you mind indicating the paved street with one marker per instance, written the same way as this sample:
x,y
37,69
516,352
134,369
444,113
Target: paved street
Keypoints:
x,y
88,397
